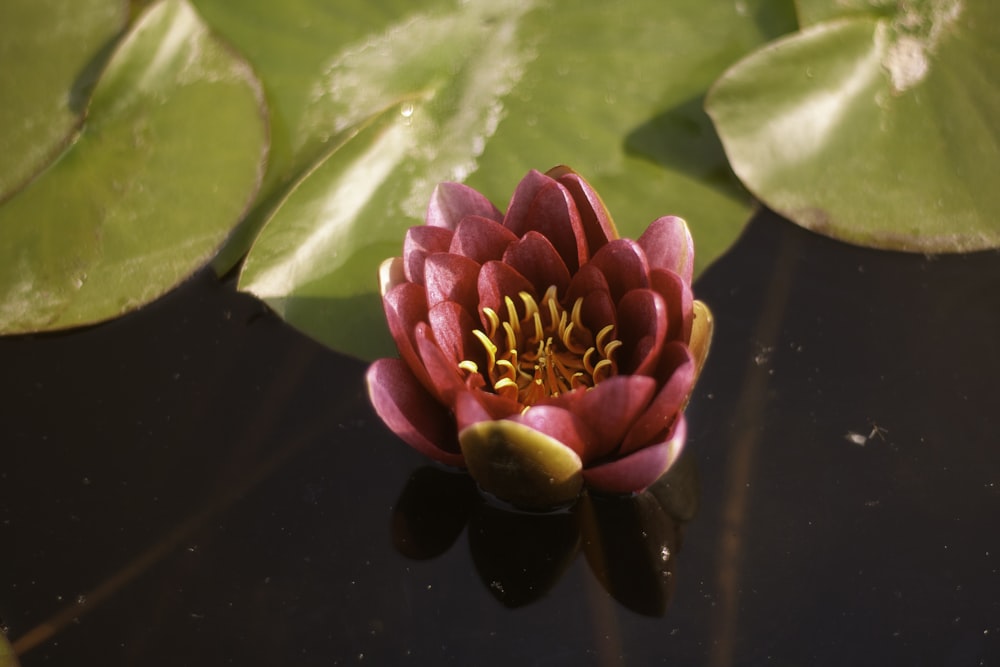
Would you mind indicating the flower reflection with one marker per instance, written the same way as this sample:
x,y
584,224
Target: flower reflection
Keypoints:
x,y
629,542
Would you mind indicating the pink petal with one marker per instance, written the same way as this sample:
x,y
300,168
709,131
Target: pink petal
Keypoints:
x,y
497,406
469,411
659,417
598,309
478,406
497,280
420,242
635,472
585,281
668,245
535,258
598,227
520,202
445,377
561,425
680,302
609,409
540,204
412,413
452,326
452,278
405,306
642,329
624,265
451,202
481,239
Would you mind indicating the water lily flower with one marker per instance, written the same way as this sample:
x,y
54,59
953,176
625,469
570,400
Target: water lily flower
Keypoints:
x,y
537,348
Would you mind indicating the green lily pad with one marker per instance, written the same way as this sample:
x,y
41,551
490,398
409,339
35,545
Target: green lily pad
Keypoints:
x,y
290,45
878,129
51,52
817,11
311,264
167,161
482,91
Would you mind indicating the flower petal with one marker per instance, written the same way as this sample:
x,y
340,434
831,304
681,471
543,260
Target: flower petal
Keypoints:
x,y
635,472
535,258
668,245
497,280
541,204
598,309
609,409
701,335
445,377
411,412
585,281
419,243
680,302
518,464
624,265
452,326
405,306
516,219
390,274
450,202
497,406
481,239
472,407
598,227
562,425
663,411
451,278
642,329
469,411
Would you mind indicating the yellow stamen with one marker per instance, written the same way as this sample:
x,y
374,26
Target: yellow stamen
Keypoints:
x,y
511,311
491,350
545,352
493,319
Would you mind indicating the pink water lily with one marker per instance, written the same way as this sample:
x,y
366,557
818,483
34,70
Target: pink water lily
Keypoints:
x,y
537,348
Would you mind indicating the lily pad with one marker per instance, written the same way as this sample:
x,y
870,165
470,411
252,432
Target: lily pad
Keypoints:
x,y
482,91
817,11
290,45
169,157
51,52
878,128
311,262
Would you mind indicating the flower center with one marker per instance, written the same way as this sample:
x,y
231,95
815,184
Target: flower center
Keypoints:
x,y
546,353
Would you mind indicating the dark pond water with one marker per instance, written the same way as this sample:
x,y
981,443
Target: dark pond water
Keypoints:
x,y
199,484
